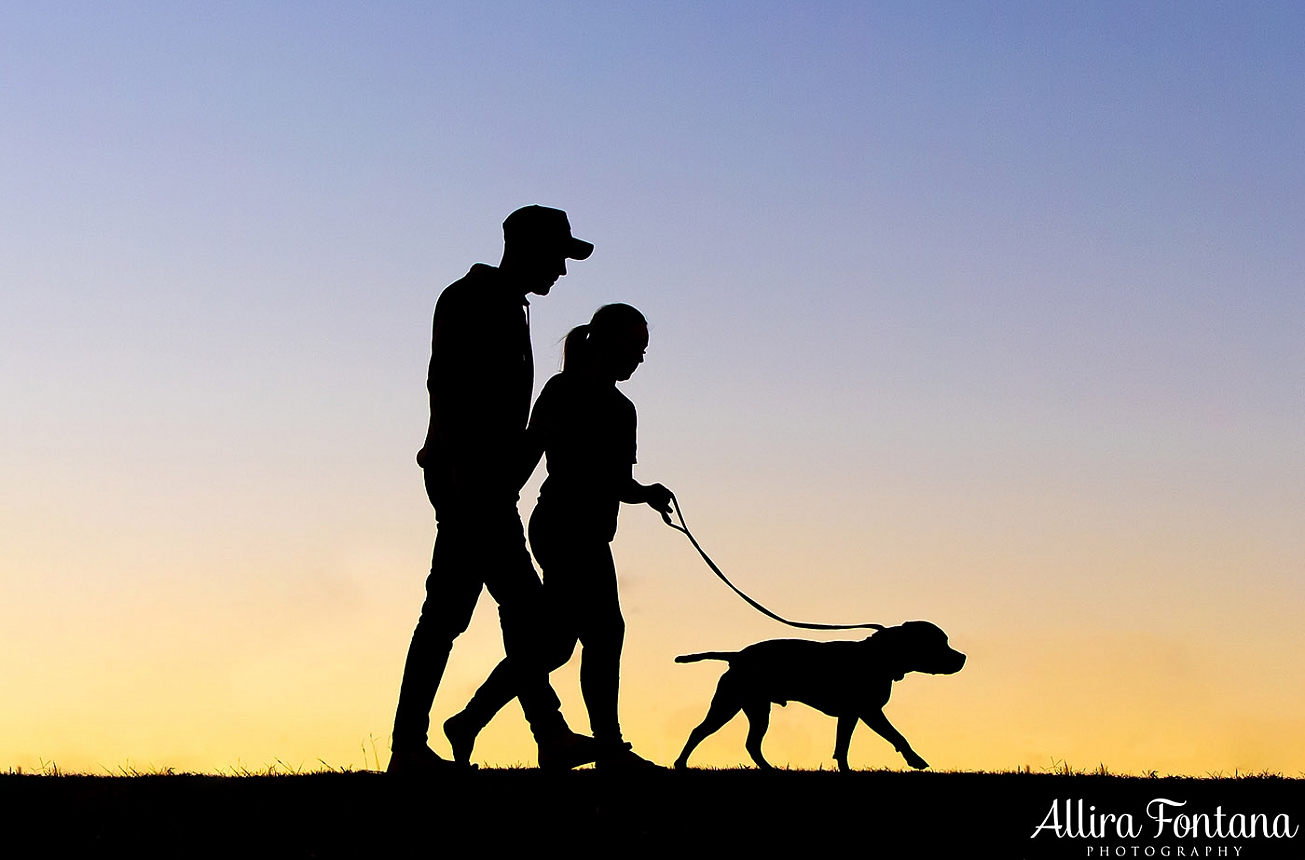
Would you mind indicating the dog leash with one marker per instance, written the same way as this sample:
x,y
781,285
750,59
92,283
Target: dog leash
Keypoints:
x,y
684,527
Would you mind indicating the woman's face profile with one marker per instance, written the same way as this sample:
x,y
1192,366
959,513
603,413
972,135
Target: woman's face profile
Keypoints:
x,y
628,350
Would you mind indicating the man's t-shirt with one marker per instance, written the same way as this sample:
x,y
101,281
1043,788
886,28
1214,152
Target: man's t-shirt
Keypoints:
x,y
587,430
480,377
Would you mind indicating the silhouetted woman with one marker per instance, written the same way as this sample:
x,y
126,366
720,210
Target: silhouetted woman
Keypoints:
x,y
586,430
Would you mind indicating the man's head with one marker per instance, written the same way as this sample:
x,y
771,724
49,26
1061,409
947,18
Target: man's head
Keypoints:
x,y
537,242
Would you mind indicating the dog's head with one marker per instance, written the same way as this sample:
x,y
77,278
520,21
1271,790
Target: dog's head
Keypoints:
x,y
918,646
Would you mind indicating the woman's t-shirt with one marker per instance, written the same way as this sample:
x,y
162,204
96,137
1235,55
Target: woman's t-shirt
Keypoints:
x,y
587,429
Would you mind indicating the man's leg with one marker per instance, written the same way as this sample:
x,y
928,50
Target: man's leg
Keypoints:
x,y
533,647
529,648
500,688
451,592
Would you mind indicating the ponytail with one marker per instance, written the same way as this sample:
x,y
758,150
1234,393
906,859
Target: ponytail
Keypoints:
x,y
574,348
608,321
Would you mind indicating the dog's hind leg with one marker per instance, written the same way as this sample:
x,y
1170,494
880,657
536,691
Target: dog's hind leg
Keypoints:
x,y
758,714
724,705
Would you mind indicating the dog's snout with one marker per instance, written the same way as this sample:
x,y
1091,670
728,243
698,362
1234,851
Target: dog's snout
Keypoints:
x,y
948,662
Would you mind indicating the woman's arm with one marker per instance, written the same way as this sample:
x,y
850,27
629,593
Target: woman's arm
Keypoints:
x,y
654,495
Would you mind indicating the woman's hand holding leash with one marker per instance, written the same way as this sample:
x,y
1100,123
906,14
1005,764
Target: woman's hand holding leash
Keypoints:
x,y
659,499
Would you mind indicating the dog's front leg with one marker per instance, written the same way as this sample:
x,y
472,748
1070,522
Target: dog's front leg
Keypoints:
x,y
846,723
877,721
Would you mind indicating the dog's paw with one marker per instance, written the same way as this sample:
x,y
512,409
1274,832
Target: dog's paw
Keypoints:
x,y
915,761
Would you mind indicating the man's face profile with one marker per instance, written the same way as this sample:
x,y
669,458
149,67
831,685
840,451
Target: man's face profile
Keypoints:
x,y
540,270
537,241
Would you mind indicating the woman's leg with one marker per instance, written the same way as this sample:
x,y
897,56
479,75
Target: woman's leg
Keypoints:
x,y
544,632
601,629
580,589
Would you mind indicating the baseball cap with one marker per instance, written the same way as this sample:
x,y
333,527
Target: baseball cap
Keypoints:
x,y
545,227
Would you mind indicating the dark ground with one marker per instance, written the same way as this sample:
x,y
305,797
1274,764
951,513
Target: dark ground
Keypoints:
x,y
871,813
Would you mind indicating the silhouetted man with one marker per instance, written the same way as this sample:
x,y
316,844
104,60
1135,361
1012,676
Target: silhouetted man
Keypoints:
x,y
475,463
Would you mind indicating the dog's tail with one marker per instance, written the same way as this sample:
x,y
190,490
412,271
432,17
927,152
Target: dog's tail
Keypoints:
x,y
706,655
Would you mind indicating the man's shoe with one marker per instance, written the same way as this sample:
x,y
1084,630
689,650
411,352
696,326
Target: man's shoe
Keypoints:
x,y
421,762
623,757
565,751
462,738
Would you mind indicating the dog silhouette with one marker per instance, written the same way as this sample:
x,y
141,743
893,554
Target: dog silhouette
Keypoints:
x,y
848,680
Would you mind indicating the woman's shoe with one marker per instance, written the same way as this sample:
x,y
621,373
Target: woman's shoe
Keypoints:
x,y
462,737
623,757
565,751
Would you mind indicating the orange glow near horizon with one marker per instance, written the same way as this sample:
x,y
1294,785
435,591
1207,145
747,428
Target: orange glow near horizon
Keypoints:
x,y
304,671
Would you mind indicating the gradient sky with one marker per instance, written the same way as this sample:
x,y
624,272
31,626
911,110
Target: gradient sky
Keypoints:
x,y
987,314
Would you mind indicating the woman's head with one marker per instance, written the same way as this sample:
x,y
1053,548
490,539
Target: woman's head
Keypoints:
x,y
611,344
